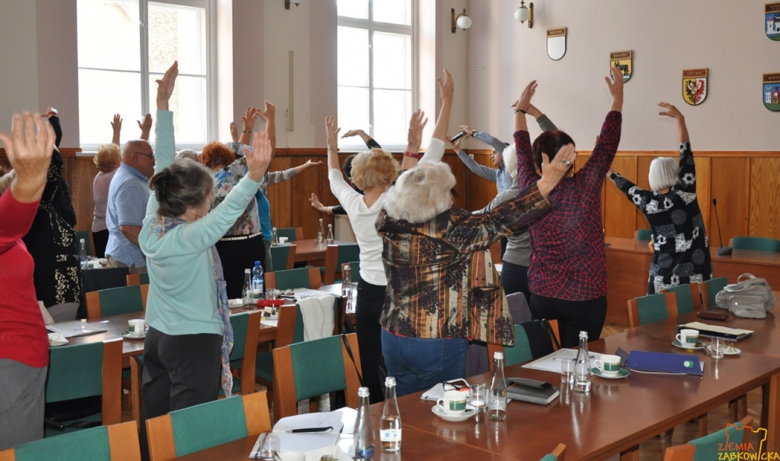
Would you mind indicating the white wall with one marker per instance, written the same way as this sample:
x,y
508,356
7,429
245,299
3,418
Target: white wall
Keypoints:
x,y
19,74
666,36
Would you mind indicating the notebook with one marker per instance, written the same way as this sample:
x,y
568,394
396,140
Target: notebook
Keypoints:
x,y
664,363
717,331
531,390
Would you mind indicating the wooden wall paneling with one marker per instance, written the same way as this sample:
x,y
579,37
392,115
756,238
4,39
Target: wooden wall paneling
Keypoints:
x,y
478,192
729,184
704,189
620,212
765,197
280,194
642,171
303,215
461,174
80,172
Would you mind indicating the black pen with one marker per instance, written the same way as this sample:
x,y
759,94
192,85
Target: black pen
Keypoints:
x,y
312,429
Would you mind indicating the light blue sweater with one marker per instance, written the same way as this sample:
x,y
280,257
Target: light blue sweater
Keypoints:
x,y
182,296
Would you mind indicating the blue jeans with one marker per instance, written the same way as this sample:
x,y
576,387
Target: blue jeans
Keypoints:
x,y
419,364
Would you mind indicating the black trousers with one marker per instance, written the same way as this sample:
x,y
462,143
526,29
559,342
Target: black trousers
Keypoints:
x,y
237,255
100,239
572,316
504,242
179,372
370,299
514,279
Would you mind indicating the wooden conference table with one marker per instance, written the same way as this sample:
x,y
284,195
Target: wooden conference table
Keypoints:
x,y
628,266
308,250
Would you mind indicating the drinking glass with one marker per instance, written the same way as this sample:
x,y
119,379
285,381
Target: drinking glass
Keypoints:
x,y
716,348
567,371
270,447
477,397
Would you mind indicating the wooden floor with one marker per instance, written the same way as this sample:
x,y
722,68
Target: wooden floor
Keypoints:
x,y
651,450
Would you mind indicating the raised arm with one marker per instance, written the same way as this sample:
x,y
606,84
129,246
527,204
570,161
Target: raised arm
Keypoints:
x,y
435,151
674,113
414,138
268,114
544,122
248,123
233,131
331,132
526,169
687,176
370,142
165,143
116,127
145,126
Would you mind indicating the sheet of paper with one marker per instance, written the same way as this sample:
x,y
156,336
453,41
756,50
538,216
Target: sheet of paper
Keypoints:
x,y
303,293
308,440
270,323
552,362
75,328
717,328
437,392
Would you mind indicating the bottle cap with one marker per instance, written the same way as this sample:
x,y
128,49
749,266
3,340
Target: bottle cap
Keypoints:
x,y
257,263
498,355
363,392
583,334
247,271
389,381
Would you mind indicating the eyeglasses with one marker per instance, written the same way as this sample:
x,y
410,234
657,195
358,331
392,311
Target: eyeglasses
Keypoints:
x,y
151,156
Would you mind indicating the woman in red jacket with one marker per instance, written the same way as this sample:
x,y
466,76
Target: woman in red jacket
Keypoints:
x,y
24,344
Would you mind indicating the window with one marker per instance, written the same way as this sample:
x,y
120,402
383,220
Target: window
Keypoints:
x,y
376,87
124,46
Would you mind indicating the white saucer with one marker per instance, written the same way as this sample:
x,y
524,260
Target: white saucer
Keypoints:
x,y
735,351
470,411
128,335
622,373
698,346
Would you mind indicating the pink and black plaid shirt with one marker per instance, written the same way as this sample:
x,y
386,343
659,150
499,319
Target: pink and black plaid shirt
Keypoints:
x,y
568,260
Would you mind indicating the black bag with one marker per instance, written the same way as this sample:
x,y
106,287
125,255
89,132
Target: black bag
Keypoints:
x,y
61,415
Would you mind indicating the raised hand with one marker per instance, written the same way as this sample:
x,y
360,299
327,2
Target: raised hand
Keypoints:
x,y
467,129
234,131
446,87
268,112
145,126
29,155
249,118
116,126
554,171
315,202
258,159
310,164
331,132
615,85
414,136
453,145
525,98
351,133
165,86
670,111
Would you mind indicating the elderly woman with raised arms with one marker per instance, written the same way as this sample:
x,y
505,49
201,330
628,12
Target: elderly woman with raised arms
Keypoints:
x,y
440,292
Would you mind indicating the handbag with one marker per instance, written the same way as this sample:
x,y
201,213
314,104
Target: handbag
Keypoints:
x,y
61,415
749,298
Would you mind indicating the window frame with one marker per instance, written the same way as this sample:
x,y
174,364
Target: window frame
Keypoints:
x,y
146,88
374,26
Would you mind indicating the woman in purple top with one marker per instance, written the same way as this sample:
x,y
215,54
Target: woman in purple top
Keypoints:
x,y
107,160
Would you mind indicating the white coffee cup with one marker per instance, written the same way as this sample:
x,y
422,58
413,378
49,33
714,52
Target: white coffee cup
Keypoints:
x,y
688,337
282,240
608,364
453,403
136,327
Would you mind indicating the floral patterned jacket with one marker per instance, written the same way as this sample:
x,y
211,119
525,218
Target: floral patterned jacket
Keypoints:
x,y
440,282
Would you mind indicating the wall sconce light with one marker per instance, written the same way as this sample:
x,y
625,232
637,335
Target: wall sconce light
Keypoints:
x,y
524,14
462,20
296,2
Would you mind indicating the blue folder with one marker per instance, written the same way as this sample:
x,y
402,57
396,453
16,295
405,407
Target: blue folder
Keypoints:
x,y
664,362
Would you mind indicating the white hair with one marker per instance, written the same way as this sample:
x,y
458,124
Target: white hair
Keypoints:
x,y
664,172
421,193
188,153
510,160
6,180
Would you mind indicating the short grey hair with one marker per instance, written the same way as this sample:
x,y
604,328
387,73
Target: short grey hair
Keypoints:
x,y
183,184
421,193
6,180
510,160
664,173
188,153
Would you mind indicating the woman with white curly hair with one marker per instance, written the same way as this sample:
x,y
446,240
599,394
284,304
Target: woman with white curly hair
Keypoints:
x,y
440,291
681,254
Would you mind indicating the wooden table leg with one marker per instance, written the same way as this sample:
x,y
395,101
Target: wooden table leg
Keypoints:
x,y
632,454
770,414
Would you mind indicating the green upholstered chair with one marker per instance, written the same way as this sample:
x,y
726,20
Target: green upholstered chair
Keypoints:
x,y
643,235
105,443
688,298
755,244
532,340
556,455
710,288
335,256
138,279
87,236
246,327
652,308
711,446
312,368
304,277
283,256
292,233
203,426
115,301
86,370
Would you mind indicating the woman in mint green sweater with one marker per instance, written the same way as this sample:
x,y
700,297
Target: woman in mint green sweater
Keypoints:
x,y
189,338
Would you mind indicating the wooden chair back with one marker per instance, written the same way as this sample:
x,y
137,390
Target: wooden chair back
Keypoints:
x,y
312,368
710,288
138,279
712,443
118,442
523,350
115,301
768,245
688,297
643,235
292,233
246,328
651,308
207,425
283,256
304,277
335,256
136,371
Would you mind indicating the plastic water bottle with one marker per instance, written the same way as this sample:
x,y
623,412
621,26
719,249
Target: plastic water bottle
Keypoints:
x,y
275,238
364,430
346,280
247,293
257,281
497,396
330,238
320,233
390,425
83,254
582,365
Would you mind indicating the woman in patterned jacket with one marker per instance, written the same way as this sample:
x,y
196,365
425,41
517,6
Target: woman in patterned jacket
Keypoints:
x,y
681,254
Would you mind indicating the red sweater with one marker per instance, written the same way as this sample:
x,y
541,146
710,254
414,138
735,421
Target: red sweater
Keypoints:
x,y
23,335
